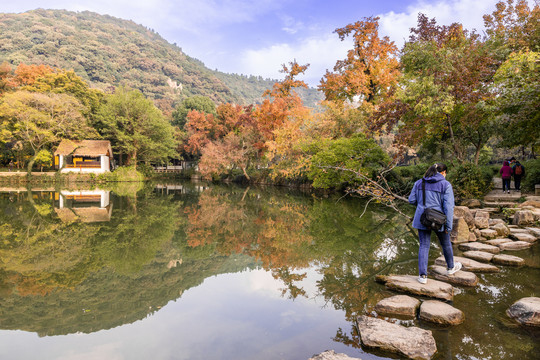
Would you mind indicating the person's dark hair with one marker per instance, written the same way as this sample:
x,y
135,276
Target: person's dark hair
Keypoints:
x,y
434,169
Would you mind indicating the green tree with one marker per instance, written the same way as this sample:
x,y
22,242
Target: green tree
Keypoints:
x,y
518,80
200,103
41,120
136,127
333,160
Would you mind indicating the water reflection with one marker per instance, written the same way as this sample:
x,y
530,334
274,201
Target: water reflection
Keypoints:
x,y
98,268
84,205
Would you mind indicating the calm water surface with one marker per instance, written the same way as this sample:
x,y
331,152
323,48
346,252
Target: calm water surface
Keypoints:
x,y
196,271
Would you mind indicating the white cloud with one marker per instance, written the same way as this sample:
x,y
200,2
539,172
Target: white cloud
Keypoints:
x,y
320,52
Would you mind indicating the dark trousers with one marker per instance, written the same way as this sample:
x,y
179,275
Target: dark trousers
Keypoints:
x,y
423,252
506,184
517,182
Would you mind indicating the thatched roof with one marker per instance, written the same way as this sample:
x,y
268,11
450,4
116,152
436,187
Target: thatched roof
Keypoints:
x,y
84,147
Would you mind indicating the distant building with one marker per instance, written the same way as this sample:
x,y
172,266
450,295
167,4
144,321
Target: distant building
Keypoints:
x,y
86,156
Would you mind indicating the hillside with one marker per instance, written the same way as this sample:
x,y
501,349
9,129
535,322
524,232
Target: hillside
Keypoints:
x,y
107,51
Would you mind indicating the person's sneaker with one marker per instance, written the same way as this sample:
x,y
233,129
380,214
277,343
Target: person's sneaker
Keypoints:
x,y
422,279
455,269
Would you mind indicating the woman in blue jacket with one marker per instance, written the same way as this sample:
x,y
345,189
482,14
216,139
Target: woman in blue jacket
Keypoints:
x,y
440,196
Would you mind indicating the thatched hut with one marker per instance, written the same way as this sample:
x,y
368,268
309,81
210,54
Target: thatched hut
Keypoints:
x,y
88,156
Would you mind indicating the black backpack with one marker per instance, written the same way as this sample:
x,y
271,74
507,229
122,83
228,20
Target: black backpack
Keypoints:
x,y
432,219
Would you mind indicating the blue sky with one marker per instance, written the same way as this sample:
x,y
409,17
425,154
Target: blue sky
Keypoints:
x,y
257,36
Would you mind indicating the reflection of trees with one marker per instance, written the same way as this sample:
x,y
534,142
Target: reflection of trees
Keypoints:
x,y
271,229
58,278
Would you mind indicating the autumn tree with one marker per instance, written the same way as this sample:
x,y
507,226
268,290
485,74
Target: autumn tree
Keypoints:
x,y
28,74
136,127
370,70
445,93
514,26
6,76
41,120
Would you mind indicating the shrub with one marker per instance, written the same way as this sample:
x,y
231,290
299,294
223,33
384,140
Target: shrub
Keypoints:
x,y
470,181
123,173
532,174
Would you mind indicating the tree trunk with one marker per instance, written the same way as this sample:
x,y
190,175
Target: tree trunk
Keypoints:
x,y
31,164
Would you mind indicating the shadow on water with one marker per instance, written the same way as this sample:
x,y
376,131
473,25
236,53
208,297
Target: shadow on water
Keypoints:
x,y
80,261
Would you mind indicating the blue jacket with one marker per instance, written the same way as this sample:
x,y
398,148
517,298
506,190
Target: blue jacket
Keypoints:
x,y
439,195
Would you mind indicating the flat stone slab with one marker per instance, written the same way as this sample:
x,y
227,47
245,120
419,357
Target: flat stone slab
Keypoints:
x,y
527,237
332,355
440,313
497,242
526,311
412,342
477,246
469,264
464,278
515,245
478,255
408,284
534,231
503,259
398,305
518,230
488,233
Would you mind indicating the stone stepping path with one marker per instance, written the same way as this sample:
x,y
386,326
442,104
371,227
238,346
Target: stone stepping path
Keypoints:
x,y
412,342
534,231
503,259
469,264
409,284
497,242
515,245
440,313
479,255
527,237
477,246
401,305
499,259
463,278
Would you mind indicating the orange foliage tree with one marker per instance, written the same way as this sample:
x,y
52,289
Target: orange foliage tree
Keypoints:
x,y
371,68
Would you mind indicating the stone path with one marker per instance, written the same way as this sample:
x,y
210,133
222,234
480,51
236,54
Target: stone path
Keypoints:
x,y
486,245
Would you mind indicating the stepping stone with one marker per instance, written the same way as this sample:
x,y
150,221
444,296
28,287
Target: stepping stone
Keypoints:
x,y
476,246
524,237
503,259
440,313
398,305
496,221
464,278
515,245
534,231
518,231
412,342
488,233
526,311
478,255
332,355
408,284
497,242
469,264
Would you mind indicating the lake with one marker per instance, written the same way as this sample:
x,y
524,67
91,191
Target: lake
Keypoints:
x,y
201,271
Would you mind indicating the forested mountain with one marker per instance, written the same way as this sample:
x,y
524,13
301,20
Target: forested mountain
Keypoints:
x,y
107,51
